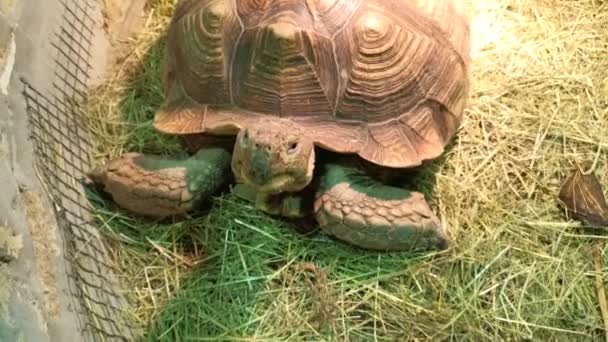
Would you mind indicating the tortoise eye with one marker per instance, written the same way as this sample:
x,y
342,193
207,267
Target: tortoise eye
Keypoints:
x,y
293,147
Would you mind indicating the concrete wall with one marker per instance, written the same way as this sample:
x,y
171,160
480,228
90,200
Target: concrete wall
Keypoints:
x,y
35,303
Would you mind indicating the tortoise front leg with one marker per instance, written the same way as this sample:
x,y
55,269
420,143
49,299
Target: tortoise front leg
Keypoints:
x,y
363,212
157,186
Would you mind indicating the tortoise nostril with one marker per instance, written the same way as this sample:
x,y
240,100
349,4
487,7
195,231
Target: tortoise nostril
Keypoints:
x,y
244,140
262,147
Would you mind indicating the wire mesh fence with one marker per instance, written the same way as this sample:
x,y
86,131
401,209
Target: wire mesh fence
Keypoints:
x,y
62,150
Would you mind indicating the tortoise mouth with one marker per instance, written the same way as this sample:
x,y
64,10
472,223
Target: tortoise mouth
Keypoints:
x,y
284,182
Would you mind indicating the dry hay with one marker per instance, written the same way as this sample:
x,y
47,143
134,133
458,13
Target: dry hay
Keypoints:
x,y
518,269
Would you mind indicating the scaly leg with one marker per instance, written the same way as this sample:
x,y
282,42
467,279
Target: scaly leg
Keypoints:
x,y
157,186
363,212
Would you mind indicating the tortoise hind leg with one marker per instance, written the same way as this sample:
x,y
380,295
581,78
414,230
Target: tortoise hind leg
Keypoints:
x,y
157,186
363,212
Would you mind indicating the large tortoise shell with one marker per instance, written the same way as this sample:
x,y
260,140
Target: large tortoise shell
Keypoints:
x,y
385,79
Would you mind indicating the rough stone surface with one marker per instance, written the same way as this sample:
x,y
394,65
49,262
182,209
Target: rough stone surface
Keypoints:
x,y
10,244
35,304
25,27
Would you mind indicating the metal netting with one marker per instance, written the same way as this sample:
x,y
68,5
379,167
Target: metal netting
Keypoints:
x,y
62,149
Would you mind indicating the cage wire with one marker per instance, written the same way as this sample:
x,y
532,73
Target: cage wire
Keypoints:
x,y
62,156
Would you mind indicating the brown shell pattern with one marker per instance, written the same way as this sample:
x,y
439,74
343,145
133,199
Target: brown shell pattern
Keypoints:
x,y
386,79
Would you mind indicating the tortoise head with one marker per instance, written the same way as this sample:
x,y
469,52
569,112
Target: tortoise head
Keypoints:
x,y
273,156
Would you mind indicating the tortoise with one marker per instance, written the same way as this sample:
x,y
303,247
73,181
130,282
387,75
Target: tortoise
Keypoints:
x,y
310,107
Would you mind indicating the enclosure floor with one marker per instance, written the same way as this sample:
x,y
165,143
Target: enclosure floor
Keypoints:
x,y
518,269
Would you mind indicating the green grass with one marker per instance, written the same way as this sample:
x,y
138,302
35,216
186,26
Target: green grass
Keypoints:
x,y
252,263
519,268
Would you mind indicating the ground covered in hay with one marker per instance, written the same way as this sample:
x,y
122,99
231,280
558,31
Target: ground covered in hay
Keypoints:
x,y
519,268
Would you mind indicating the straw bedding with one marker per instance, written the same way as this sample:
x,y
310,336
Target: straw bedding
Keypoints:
x,y
519,268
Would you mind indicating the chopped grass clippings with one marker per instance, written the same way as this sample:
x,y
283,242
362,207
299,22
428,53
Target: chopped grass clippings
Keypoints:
x,y
519,268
